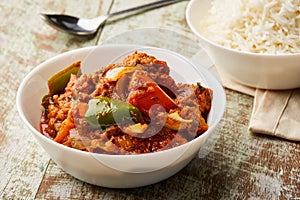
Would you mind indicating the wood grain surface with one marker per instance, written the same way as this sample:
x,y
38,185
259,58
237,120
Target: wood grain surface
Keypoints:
x,y
234,164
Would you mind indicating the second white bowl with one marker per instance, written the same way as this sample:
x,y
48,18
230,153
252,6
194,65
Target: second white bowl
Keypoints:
x,y
266,71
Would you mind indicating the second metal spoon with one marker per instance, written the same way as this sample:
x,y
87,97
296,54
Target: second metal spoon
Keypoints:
x,y
77,26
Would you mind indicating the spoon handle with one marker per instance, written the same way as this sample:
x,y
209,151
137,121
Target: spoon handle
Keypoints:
x,y
156,4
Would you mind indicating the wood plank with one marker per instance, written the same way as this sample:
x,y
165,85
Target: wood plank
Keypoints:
x,y
26,41
233,164
171,17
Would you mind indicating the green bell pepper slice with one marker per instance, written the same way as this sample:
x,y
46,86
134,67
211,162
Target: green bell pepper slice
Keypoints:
x,y
58,82
104,112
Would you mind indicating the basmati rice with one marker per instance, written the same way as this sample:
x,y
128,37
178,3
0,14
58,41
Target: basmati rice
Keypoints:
x,y
257,26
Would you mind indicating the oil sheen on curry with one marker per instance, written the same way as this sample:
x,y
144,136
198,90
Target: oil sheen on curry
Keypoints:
x,y
131,107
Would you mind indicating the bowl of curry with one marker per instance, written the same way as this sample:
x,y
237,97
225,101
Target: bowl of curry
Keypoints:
x,y
110,113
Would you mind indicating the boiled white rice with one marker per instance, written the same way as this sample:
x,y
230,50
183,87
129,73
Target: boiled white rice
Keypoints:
x,y
257,26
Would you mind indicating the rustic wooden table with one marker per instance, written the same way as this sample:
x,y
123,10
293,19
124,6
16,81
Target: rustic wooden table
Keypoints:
x,y
235,164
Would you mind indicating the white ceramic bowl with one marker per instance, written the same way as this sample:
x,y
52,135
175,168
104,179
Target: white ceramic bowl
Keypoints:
x,y
265,71
115,171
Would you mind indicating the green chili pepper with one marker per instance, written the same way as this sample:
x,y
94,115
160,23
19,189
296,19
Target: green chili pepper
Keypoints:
x,y
59,81
104,111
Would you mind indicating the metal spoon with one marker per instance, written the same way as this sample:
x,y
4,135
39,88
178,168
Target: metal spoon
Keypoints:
x,y
77,26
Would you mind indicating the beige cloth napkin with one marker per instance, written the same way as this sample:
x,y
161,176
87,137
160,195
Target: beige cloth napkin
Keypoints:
x,y
275,113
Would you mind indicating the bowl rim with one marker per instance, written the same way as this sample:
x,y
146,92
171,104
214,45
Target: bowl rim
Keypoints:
x,y
44,64
195,31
